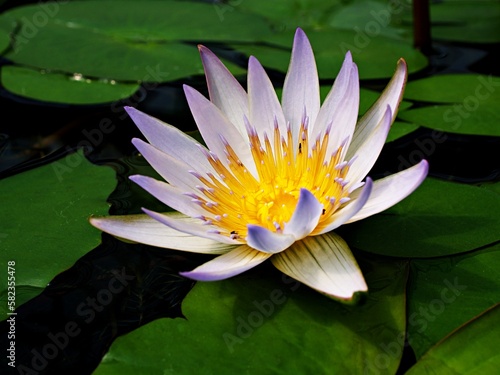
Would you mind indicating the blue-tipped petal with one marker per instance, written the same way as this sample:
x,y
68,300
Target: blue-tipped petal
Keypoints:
x,y
263,239
228,265
305,217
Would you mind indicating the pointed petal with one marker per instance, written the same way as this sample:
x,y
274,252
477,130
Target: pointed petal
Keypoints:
x,y
391,97
170,140
224,90
343,215
390,190
324,263
216,129
264,104
169,195
143,229
191,227
175,171
228,265
369,150
340,107
301,87
305,217
264,240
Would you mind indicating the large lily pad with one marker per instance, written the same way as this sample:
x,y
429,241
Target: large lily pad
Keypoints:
x,y
45,224
376,56
473,349
125,40
261,323
439,218
475,99
64,88
445,293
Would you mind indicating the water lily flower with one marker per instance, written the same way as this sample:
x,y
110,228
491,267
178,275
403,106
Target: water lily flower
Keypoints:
x,y
275,179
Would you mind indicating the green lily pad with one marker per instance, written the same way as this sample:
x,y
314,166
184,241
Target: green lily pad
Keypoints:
x,y
261,323
125,40
371,17
445,293
71,89
454,88
466,21
473,349
376,56
286,14
45,226
483,120
475,111
440,218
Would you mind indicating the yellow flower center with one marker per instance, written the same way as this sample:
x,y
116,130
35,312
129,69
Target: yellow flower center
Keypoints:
x,y
236,198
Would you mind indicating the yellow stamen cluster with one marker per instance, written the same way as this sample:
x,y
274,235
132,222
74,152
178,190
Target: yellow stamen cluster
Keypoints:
x,y
236,198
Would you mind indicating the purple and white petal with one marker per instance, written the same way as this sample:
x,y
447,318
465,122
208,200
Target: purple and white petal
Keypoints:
x,y
192,227
170,140
369,150
233,263
340,108
224,90
173,170
169,195
216,129
344,214
144,229
324,263
390,190
301,87
305,217
264,107
264,240
391,97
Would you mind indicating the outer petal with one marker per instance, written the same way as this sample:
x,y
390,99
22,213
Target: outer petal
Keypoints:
x,y
301,87
324,263
264,104
175,171
230,264
348,211
340,108
391,97
191,227
224,90
143,229
369,150
264,240
305,217
170,140
169,195
216,129
390,190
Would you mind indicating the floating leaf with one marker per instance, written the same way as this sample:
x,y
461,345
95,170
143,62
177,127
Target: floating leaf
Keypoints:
x,y
45,224
64,88
375,56
445,293
260,324
472,349
439,218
